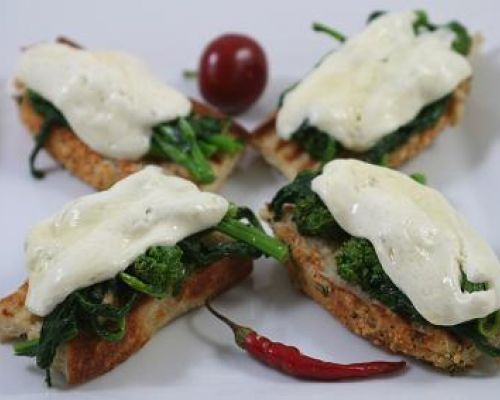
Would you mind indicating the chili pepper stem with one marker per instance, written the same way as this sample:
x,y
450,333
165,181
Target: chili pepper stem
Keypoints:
x,y
240,332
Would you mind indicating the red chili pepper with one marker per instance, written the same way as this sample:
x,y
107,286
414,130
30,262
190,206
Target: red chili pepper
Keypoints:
x,y
291,361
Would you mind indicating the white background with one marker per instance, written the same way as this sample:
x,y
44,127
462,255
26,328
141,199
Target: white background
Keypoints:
x,y
194,357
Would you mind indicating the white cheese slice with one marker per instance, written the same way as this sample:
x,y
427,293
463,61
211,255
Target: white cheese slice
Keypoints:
x,y
420,240
378,81
97,236
110,99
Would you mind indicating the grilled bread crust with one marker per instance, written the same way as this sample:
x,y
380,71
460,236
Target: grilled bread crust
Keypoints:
x,y
101,172
310,271
87,356
290,158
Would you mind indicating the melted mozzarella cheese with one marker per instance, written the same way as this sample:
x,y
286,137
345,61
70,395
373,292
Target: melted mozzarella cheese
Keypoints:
x,y
110,99
99,235
375,83
420,240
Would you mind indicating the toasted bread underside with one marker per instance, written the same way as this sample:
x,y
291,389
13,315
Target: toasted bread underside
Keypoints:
x,y
87,356
289,157
101,172
311,272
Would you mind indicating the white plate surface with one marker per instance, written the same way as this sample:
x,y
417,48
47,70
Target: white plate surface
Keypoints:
x,y
194,357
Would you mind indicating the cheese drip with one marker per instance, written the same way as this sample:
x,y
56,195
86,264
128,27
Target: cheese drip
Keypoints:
x,y
97,236
110,99
378,81
420,240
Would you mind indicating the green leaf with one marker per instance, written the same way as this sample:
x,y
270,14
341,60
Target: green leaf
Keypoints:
x,y
51,119
319,145
419,177
159,272
58,327
427,118
28,348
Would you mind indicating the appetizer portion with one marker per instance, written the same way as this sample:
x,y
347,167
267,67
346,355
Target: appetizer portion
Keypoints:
x,y
111,268
382,97
103,116
392,260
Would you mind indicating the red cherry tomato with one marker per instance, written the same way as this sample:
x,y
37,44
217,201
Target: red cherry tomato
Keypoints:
x,y
232,72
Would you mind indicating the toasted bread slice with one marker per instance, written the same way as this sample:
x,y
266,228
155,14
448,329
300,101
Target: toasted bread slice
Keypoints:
x,y
87,356
313,271
289,157
101,172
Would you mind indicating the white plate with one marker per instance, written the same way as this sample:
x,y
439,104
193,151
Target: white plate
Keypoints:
x,y
195,356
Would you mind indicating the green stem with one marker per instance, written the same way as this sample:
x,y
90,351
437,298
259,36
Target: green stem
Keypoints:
x,y
40,141
490,325
208,149
189,74
199,163
318,27
255,237
225,143
142,287
27,348
419,177
110,336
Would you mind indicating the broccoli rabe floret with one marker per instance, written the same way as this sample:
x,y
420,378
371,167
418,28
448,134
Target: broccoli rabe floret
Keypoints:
x,y
313,218
158,272
358,264
191,141
356,259
319,145
310,214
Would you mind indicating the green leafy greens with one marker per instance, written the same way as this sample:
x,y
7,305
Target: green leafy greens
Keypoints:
x,y
189,141
101,309
51,119
309,213
358,264
426,118
321,147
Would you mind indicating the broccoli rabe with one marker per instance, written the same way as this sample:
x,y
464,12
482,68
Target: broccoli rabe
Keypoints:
x,y
425,119
462,42
358,263
191,141
158,272
51,118
317,144
309,213
242,225
419,177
